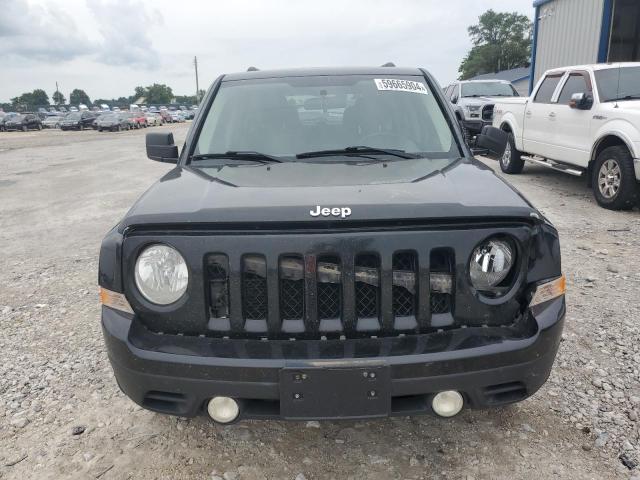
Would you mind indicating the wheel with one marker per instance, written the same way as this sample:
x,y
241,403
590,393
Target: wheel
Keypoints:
x,y
24,128
57,125
614,181
39,126
99,129
81,127
510,162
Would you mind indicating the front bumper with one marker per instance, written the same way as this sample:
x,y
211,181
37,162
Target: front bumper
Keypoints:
x,y
177,375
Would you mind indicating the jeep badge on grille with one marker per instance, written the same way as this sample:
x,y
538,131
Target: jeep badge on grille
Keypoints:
x,y
342,212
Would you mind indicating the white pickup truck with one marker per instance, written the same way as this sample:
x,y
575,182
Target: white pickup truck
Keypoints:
x,y
582,120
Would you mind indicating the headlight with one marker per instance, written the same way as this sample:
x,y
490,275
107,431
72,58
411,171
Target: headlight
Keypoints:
x,y
161,274
491,262
473,108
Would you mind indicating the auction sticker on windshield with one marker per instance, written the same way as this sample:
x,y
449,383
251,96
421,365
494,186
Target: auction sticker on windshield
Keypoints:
x,y
400,85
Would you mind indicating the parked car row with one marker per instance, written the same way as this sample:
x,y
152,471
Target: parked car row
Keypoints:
x,y
86,120
20,121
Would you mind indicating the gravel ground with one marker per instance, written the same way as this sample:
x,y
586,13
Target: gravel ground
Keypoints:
x,y
62,415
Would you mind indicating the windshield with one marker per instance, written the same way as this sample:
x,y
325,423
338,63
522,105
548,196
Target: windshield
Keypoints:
x,y
618,83
109,117
288,116
73,116
488,89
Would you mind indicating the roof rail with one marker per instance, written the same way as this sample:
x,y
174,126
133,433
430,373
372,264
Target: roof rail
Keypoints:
x,y
388,64
252,69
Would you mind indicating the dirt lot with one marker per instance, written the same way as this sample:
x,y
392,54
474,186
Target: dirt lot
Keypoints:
x,y
61,191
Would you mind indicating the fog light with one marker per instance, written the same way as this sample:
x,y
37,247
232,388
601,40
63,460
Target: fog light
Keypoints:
x,y
447,403
223,409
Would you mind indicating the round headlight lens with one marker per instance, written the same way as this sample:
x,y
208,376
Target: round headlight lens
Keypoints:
x,y
490,264
161,274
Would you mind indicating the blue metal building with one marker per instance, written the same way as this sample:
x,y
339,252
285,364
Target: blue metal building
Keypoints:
x,y
574,32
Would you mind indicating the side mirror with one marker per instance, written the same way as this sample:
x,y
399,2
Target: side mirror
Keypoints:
x,y
493,140
454,99
160,147
581,101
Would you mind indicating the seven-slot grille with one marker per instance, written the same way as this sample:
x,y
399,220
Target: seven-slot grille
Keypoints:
x,y
304,297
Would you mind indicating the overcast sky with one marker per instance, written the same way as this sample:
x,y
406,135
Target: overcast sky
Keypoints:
x,y
107,47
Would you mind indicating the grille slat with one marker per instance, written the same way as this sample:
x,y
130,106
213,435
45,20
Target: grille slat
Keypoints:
x,y
386,293
348,294
255,297
310,319
254,289
273,296
441,304
367,292
295,296
329,293
236,315
292,299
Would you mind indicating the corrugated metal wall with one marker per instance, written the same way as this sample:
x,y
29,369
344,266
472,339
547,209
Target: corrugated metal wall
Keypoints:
x,y
522,87
568,34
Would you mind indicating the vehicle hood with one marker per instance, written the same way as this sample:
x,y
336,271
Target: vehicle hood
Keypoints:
x,y
483,100
466,189
626,105
511,100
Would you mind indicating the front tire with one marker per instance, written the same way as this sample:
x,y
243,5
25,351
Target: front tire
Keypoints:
x,y
511,162
614,179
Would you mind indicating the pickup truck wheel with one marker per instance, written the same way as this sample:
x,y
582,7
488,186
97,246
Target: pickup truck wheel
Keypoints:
x,y
614,179
510,162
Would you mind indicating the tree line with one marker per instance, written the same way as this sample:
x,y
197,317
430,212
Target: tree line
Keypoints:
x,y
501,41
155,94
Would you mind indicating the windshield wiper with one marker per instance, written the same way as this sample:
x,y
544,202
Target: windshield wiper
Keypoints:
x,y
240,155
358,151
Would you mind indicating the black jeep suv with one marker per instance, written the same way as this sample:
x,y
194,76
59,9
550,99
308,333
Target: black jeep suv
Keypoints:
x,y
328,247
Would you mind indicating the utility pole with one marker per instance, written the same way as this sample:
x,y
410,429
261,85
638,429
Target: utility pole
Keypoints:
x,y
57,94
195,64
